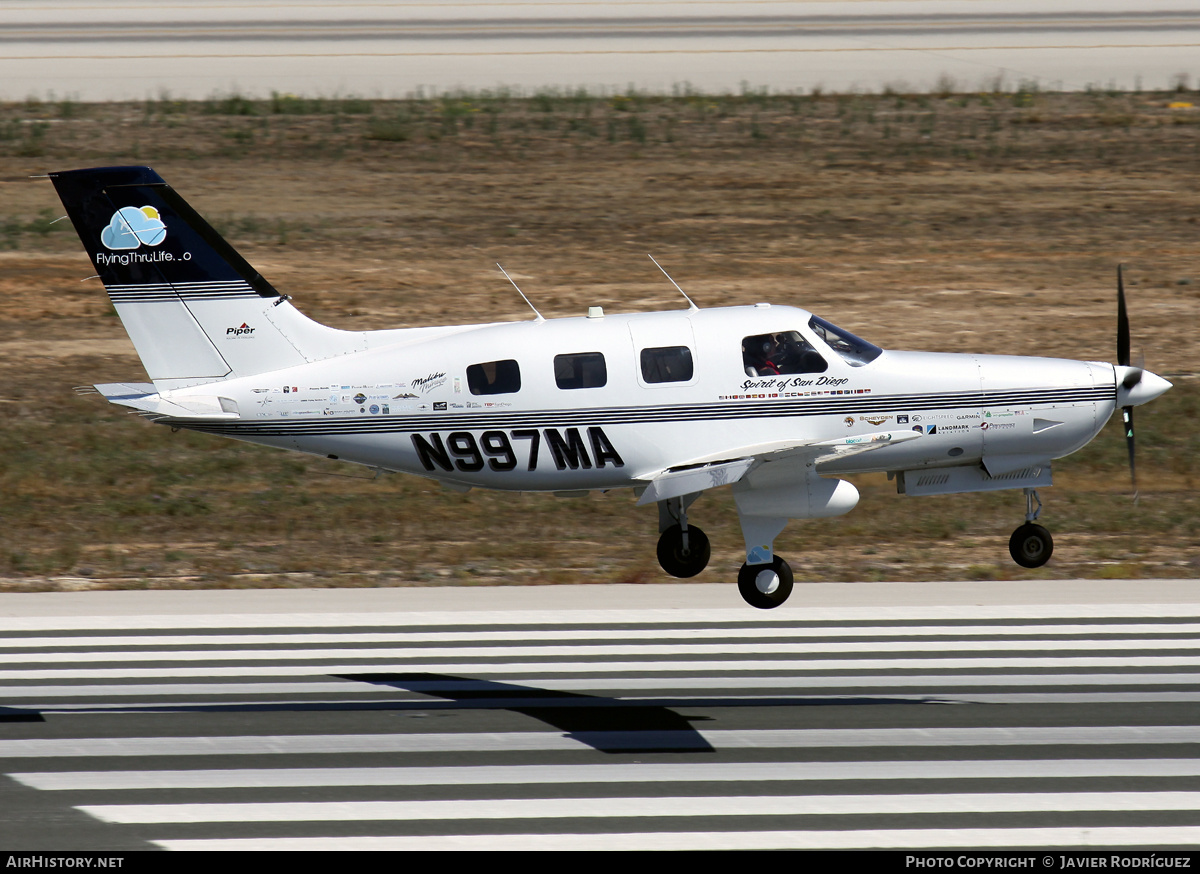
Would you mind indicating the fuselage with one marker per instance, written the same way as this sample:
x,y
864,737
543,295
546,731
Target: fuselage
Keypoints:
x,y
605,402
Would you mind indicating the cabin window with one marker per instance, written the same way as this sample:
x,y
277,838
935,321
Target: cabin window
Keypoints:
x,y
854,350
667,364
782,353
580,370
494,378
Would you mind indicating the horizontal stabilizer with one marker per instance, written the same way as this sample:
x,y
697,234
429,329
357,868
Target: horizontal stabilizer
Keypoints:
x,y
144,398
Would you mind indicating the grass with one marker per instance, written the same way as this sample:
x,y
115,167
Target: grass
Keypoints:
x,y
958,222
93,493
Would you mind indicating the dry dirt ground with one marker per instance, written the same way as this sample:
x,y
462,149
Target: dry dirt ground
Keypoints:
x,y
983,222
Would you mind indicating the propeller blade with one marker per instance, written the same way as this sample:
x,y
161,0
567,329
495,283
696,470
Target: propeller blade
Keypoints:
x,y
1127,416
1122,322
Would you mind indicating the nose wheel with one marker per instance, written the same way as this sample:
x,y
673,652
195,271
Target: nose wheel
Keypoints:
x,y
1031,545
765,585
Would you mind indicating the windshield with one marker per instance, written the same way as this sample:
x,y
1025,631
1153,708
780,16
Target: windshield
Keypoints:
x,y
854,350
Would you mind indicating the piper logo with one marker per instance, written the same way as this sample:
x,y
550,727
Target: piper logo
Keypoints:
x,y
243,331
132,226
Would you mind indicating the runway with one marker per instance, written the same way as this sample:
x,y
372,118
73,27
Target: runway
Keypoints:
x,y
88,50
939,715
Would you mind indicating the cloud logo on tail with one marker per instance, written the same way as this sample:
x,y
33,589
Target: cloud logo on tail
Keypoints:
x,y
132,227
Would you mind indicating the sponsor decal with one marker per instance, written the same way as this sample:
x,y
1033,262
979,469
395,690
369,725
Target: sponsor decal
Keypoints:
x,y
877,420
132,227
849,420
902,420
919,429
360,398
999,426
503,451
244,331
439,406
374,409
403,395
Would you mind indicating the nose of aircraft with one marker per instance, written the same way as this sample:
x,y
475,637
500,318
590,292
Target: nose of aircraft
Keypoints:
x,y
1136,386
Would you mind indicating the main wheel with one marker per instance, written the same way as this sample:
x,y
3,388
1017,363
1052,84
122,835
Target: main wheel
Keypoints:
x,y
1031,545
680,562
765,585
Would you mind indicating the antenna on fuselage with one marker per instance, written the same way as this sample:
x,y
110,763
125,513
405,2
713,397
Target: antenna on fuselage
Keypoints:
x,y
540,317
691,304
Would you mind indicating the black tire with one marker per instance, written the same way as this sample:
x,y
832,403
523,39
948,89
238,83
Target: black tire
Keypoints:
x,y
748,584
679,562
1031,545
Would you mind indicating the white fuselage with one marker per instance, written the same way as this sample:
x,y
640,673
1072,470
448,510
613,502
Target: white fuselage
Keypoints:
x,y
410,405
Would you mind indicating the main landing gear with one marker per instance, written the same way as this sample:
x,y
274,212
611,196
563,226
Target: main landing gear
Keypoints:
x,y
683,550
765,585
1031,545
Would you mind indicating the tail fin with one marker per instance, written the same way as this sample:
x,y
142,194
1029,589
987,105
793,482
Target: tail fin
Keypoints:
x,y
195,310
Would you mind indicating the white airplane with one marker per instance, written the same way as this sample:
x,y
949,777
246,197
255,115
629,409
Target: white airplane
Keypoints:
x,y
771,400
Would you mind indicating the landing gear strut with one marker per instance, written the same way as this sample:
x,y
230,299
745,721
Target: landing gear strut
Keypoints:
x,y
683,550
1031,545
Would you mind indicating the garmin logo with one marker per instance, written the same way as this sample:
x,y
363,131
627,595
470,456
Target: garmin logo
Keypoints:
x,y
243,331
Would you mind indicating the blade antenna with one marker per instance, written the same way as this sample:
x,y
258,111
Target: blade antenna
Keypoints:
x,y
691,304
540,317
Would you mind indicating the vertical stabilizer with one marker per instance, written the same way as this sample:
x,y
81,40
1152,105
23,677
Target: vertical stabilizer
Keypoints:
x,y
195,310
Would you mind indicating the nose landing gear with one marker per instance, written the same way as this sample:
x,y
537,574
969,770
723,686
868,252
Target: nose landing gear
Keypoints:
x,y
1031,545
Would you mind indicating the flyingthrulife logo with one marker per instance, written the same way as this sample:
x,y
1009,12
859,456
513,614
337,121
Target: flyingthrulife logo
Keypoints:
x,y
244,331
131,227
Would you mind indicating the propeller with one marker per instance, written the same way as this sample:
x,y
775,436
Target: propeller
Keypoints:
x,y
1133,375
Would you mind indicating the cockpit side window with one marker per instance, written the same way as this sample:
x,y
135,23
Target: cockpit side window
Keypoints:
x,y
854,350
782,353
494,378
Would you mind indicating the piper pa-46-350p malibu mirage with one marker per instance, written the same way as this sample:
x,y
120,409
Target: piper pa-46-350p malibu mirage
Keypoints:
x,y
771,400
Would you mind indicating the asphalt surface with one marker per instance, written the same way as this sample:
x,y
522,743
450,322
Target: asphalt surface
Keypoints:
x,y
97,51
936,715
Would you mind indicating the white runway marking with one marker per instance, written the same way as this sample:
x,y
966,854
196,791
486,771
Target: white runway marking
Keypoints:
x,y
864,839
23,694
517,741
958,632
258,778
490,670
586,650
659,806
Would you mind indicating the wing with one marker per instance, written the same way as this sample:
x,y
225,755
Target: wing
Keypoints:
x,y
711,472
